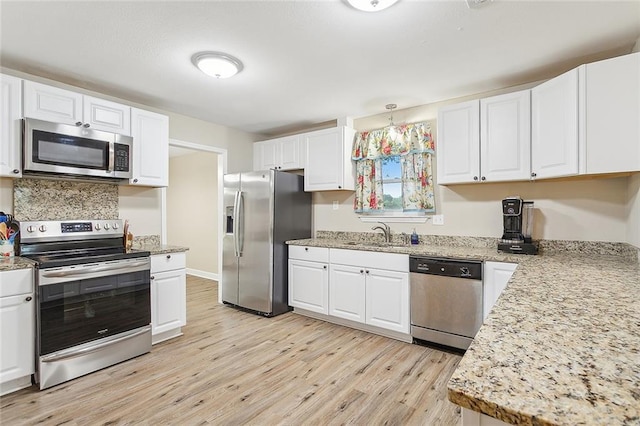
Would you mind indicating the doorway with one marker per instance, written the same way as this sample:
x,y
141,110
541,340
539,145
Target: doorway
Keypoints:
x,y
191,203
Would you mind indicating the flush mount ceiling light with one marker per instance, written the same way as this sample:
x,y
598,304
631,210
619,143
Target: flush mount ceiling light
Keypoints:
x,y
217,64
371,5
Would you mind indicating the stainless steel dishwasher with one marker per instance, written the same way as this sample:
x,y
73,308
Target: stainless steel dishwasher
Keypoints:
x,y
446,300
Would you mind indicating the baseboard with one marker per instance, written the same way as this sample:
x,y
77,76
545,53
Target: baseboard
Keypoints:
x,y
203,274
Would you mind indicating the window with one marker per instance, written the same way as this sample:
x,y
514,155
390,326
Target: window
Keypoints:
x,y
393,171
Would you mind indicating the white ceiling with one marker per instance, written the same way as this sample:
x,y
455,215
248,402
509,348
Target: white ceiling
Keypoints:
x,y
306,61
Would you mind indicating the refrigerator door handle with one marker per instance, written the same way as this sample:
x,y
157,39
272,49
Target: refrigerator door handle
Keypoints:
x,y
240,235
236,224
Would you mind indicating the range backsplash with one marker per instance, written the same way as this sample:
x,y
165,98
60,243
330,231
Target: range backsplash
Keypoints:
x,y
41,199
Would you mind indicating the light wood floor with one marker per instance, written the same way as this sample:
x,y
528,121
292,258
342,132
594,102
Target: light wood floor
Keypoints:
x,y
235,368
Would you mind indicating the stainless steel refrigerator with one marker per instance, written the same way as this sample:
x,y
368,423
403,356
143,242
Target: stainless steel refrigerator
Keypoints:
x,y
262,211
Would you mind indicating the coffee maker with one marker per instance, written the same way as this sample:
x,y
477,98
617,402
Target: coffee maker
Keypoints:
x,y
517,216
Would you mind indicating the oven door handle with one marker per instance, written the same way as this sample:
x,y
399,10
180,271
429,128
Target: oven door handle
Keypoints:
x,y
72,353
111,268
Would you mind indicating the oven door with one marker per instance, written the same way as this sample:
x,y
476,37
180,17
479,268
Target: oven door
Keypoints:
x,y
60,148
91,316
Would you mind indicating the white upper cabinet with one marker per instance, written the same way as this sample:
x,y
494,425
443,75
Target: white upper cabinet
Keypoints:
x,y
328,164
150,163
458,146
554,127
106,115
280,154
57,105
10,126
486,140
610,115
505,137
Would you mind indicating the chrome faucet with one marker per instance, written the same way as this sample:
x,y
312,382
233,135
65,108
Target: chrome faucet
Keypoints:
x,y
386,231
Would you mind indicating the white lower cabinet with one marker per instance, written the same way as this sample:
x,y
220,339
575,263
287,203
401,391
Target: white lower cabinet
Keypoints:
x,y
309,278
17,330
496,276
168,296
361,287
347,289
473,418
308,285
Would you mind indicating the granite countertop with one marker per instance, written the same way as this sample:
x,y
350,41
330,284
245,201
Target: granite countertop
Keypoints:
x,y
560,347
160,248
16,262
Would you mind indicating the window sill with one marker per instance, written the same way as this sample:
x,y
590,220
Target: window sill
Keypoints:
x,y
394,218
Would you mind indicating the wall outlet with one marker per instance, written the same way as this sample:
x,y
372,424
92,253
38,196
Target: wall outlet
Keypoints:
x,y
438,219
336,205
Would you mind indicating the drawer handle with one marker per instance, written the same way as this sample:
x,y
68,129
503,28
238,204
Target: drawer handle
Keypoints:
x,y
28,299
367,272
306,249
168,256
361,271
324,267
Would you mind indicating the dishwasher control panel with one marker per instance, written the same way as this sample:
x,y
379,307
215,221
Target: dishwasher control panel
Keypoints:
x,y
470,269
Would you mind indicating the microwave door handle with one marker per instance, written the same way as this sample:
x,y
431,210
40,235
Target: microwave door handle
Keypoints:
x,y
112,155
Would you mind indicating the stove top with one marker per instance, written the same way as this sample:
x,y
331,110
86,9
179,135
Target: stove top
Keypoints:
x,y
55,244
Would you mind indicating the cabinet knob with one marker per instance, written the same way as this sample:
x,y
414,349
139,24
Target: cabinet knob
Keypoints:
x,y
16,171
152,277
367,271
324,266
135,181
78,123
339,187
168,256
306,249
86,125
483,178
28,299
475,178
533,174
361,271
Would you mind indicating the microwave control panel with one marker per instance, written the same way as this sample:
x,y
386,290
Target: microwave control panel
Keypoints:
x,y
121,160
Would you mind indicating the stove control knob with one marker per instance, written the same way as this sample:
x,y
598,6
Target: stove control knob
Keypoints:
x,y
31,228
115,225
106,226
42,228
97,226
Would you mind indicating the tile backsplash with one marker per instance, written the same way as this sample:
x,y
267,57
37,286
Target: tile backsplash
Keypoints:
x,y
42,199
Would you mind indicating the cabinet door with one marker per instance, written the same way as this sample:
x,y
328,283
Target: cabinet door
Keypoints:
x,y
265,155
328,163
109,116
150,133
496,276
290,153
10,126
554,127
17,336
309,286
52,104
505,137
611,109
388,299
168,301
347,292
458,146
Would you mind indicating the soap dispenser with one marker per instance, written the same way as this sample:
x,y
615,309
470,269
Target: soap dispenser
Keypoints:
x,y
414,237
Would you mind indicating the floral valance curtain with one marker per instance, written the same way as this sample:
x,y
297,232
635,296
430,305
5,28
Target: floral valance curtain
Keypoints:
x,y
414,145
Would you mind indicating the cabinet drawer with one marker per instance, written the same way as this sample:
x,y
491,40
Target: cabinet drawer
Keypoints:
x,y
168,262
371,259
16,282
312,254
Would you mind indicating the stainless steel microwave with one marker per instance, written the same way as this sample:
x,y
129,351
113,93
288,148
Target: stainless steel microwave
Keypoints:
x,y
69,151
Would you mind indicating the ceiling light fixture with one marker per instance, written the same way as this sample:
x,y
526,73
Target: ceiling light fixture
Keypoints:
x,y
217,64
371,5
